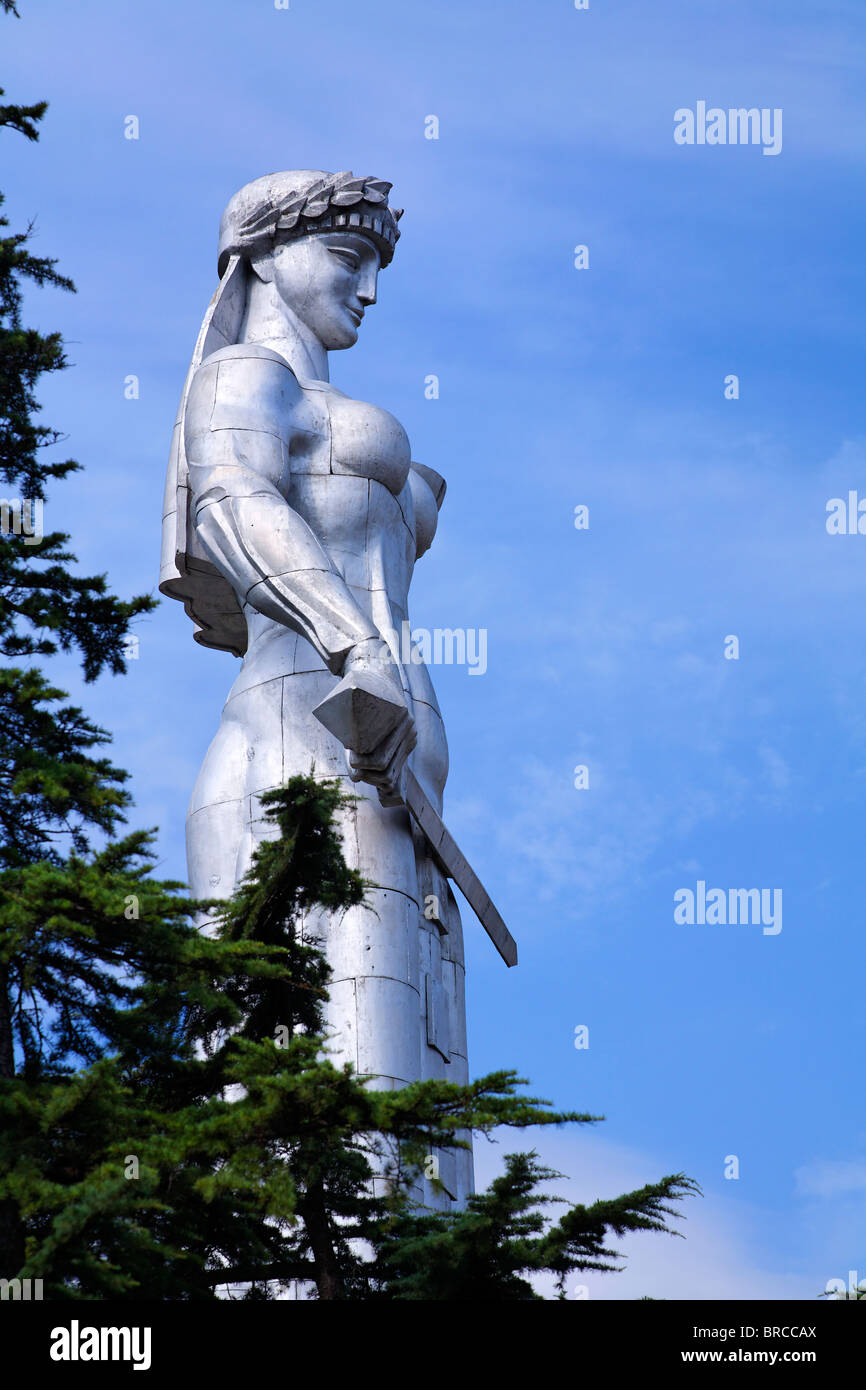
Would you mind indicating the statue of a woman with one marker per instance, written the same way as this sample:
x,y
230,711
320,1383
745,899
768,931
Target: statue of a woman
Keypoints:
x,y
294,516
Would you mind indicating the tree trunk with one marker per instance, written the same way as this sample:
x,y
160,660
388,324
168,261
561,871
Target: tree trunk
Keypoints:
x,y
314,1213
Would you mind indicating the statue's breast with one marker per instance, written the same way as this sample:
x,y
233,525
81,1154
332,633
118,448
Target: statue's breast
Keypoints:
x,y
365,441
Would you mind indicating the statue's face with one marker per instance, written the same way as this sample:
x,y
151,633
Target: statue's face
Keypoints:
x,y
327,279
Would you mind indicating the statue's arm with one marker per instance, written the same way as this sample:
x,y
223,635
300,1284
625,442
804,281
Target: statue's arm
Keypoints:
x,y
236,445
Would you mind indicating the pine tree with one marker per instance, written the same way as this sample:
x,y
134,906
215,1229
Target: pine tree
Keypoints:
x,y
52,790
216,1143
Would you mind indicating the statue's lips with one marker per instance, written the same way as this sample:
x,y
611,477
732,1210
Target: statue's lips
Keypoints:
x,y
356,314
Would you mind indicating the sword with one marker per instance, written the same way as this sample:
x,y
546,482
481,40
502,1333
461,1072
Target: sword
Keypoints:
x,y
361,712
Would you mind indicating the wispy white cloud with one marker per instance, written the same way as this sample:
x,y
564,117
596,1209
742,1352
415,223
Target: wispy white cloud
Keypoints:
x,y
830,1178
716,1258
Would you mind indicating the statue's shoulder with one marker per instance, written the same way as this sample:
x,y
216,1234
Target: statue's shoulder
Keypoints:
x,y
434,481
255,358
243,386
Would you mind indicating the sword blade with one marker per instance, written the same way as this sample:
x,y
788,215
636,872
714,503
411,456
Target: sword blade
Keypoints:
x,y
456,866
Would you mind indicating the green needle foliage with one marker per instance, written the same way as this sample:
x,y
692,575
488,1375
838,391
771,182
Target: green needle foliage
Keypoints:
x,y
51,790
489,1251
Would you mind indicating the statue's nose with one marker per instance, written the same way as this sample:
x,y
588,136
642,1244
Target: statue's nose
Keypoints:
x,y
367,285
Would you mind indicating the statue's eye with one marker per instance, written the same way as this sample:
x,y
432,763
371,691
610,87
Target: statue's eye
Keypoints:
x,y
349,258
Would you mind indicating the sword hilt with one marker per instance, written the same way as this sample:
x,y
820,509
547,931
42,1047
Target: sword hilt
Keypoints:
x,y
361,711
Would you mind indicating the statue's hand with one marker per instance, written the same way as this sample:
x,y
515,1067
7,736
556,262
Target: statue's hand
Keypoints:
x,y
382,764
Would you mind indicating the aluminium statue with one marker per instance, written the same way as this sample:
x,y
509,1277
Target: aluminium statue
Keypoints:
x,y
293,519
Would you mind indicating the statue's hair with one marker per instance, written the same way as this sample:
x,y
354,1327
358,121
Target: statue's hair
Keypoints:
x,y
280,207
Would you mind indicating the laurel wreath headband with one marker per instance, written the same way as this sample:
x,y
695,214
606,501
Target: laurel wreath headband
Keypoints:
x,y
338,202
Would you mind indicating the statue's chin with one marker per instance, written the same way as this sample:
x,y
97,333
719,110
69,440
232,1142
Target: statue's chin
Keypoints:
x,y
342,338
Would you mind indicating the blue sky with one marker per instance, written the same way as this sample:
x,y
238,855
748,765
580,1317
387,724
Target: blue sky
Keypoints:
x,y
557,387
